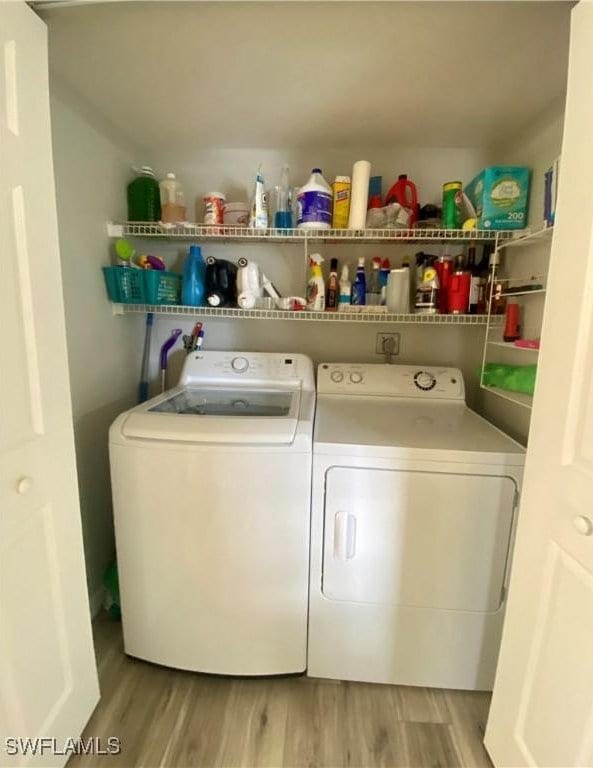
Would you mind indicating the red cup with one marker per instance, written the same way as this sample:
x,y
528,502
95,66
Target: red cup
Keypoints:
x,y
458,292
512,331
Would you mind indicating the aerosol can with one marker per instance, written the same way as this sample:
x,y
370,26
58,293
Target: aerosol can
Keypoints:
x,y
249,284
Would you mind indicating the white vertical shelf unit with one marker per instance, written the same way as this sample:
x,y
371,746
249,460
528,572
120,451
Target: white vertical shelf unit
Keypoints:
x,y
532,289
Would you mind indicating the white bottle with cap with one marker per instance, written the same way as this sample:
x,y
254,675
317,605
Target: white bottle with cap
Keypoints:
x,y
315,203
172,200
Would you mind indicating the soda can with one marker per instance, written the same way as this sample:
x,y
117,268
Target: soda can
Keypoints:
x,y
451,212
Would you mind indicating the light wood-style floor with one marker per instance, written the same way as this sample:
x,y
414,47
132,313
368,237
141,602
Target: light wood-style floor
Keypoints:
x,y
170,718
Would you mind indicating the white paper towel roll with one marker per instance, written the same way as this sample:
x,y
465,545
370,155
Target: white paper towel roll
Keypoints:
x,y
359,195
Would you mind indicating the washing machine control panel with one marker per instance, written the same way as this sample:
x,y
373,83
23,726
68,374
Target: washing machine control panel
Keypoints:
x,y
220,367
380,380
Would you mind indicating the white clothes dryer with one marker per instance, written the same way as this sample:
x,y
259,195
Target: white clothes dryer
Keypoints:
x,y
413,515
211,492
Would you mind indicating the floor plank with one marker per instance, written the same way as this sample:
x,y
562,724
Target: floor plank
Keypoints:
x,y
172,719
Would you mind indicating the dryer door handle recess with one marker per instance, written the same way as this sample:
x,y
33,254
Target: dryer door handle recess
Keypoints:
x,y
344,536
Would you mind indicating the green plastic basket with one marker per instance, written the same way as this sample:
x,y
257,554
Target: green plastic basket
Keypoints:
x,y
126,285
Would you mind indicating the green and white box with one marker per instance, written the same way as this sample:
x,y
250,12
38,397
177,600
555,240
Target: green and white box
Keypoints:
x,y
500,195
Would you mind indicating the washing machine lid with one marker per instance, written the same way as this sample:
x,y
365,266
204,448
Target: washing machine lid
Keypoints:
x,y
398,428
218,414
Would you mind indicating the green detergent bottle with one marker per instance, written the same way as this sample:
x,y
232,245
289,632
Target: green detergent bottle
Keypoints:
x,y
144,198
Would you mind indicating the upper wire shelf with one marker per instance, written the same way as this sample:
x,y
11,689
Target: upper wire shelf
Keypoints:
x,y
244,234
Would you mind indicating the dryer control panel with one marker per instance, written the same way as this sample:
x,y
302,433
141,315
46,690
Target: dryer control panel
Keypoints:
x,y
380,380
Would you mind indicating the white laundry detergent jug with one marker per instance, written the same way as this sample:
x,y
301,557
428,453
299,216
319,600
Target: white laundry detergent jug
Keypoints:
x,y
315,200
249,284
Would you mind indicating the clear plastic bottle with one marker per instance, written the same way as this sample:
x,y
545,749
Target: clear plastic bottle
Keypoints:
x,y
283,214
172,200
144,198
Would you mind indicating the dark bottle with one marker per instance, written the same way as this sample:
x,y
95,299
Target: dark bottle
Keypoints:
x,y
332,294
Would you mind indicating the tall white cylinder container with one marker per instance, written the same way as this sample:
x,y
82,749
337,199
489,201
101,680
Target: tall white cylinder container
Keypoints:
x,y
359,195
397,295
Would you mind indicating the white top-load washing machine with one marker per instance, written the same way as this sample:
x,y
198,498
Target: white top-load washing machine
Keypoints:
x,y
413,514
211,491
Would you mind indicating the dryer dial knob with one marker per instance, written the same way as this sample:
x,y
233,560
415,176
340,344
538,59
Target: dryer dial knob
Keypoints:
x,y
355,377
239,364
424,380
336,376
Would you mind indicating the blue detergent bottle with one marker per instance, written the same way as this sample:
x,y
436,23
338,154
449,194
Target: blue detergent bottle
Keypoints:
x,y
193,288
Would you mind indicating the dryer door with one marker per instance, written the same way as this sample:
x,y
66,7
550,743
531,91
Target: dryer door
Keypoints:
x,y
418,539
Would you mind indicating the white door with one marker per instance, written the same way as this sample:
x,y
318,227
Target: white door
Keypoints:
x,y
48,681
542,707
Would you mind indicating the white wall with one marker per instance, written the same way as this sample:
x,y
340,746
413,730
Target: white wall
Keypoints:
x,y
537,147
91,171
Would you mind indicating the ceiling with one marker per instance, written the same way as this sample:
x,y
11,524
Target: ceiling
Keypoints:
x,y
304,74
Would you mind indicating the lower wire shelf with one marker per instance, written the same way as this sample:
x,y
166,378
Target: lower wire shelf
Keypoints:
x,y
526,401
366,316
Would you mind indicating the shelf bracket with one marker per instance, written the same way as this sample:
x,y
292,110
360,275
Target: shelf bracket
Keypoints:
x,y
114,230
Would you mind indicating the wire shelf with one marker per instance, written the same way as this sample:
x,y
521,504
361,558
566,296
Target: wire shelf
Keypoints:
x,y
244,234
529,238
513,347
534,292
526,401
367,316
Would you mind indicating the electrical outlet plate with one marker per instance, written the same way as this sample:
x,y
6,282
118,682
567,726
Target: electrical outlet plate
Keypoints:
x,y
382,338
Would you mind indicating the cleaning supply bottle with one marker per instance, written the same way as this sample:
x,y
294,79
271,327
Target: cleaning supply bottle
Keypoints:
x,y
172,200
283,214
373,287
359,287
258,218
405,193
341,202
315,203
333,290
383,278
144,198
316,285
345,298
193,284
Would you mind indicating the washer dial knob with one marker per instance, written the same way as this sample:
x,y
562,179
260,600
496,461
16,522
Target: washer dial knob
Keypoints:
x,y
424,380
355,377
336,376
239,364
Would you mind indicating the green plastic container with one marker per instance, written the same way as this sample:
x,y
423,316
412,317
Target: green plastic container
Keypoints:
x,y
144,197
514,378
